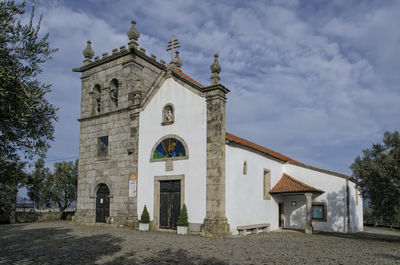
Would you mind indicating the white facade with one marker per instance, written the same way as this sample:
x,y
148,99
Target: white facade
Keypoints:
x,y
190,126
245,201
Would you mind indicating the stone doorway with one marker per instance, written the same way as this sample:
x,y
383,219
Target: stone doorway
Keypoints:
x,y
102,204
177,179
170,203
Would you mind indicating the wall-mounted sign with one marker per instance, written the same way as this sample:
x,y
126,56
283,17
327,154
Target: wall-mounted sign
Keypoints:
x,y
132,184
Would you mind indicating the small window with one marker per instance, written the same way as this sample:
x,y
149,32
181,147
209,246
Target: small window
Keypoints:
x,y
267,184
169,147
102,146
319,211
245,168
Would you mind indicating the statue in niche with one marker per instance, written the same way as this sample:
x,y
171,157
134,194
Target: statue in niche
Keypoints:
x,y
168,115
114,95
114,91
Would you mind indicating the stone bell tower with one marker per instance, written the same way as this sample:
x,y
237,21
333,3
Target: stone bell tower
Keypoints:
x,y
215,223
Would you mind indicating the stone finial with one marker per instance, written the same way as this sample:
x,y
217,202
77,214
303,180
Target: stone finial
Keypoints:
x,y
215,70
88,53
178,60
133,35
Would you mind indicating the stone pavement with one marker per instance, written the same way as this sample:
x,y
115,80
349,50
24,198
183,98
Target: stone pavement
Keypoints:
x,y
68,243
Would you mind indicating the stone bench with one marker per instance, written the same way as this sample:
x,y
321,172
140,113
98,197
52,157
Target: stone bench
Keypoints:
x,y
254,229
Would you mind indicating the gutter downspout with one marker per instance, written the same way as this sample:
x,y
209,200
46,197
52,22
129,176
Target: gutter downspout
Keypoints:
x,y
348,205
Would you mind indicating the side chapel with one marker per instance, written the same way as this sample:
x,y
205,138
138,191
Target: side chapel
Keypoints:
x,y
151,135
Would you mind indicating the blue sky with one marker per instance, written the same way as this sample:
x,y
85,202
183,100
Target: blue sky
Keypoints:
x,y
315,80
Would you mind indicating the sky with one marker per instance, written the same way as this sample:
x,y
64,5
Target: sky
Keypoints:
x,y
317,81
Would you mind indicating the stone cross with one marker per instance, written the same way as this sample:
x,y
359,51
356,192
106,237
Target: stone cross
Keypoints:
x,y
173,44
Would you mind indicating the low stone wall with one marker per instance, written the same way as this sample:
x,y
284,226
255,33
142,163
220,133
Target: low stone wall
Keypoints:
x,y
29,217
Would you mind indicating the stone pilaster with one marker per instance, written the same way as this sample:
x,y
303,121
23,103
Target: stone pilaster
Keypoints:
x,y
215,223
133,148
309,229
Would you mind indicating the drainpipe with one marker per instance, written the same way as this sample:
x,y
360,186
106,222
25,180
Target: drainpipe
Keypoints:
x,y
348,205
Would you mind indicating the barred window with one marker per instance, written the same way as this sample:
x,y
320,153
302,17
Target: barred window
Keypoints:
x,y
102,146
319,211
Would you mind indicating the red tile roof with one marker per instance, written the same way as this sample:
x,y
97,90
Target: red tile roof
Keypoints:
x,y
179,72
260,148
287,184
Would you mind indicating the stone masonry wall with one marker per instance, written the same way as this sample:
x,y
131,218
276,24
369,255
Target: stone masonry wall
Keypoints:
x,y
116,123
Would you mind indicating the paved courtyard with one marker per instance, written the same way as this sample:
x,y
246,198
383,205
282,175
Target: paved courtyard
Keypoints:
x,y
68,243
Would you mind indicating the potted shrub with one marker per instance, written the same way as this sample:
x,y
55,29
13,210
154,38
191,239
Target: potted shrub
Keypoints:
x,y
144,220
182,223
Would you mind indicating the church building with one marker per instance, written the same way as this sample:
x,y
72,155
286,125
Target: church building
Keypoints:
x,y
152,136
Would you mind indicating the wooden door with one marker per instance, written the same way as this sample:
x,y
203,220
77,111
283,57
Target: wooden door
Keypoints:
x,y
102,204
170,203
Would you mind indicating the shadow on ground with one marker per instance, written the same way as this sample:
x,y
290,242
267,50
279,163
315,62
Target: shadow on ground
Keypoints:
x,y
167,256
365,236
57,245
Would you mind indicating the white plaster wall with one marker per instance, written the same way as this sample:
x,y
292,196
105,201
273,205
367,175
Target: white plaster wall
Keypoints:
x,y
190,125
295,215
334,196
245,202
356,210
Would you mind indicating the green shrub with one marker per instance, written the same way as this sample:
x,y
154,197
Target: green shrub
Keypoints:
x,y
145,217
183,217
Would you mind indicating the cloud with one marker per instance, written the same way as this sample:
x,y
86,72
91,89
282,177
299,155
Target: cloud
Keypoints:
x,y
316,81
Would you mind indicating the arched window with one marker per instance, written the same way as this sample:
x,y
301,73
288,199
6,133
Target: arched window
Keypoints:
x,y
169,147
95,99
97,95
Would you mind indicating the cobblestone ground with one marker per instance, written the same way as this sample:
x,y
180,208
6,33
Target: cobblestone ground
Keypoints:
x,y
68,243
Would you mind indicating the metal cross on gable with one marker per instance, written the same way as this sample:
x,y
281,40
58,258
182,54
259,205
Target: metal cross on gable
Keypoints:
x,y
173,44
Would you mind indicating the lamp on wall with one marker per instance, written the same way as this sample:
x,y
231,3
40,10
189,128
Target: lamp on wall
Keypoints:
x,y
294,203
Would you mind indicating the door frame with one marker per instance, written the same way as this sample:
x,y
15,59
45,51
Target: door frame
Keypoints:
x,y
281,215
108,202
156,208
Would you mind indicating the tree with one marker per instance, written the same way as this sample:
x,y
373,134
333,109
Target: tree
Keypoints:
x,y
60,187
35,181
183,217
145,217
26,117
26,120
379,173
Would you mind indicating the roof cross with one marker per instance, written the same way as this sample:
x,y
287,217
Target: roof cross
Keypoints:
x,y
173,44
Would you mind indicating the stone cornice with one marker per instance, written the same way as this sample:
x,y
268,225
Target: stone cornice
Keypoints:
x,y
104,114
119,55
216,87
216,92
